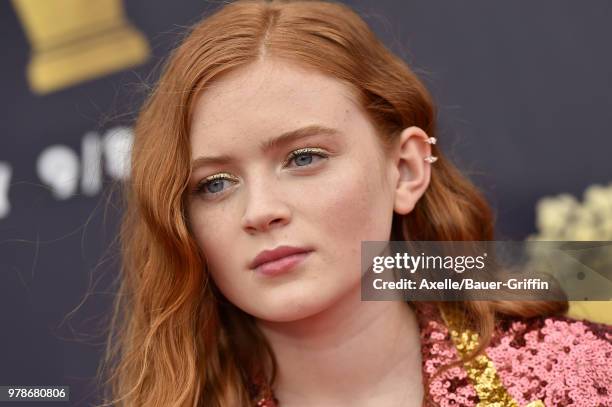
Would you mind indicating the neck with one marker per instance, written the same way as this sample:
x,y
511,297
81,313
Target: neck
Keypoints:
x,y
354,353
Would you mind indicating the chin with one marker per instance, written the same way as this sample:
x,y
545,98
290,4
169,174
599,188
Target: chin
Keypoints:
x,y
291,308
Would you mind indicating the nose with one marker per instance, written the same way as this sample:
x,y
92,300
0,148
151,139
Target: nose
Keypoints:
x,y
265,208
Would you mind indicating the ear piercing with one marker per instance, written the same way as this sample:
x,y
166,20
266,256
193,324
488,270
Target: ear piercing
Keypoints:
x,y
431,158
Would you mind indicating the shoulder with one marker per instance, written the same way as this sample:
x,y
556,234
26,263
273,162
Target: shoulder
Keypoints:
x,y
558,360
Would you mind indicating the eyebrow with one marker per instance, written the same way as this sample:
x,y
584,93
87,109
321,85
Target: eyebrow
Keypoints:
x,y
267,145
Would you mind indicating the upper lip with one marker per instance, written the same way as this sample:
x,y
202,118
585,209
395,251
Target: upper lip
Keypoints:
x,y
275,254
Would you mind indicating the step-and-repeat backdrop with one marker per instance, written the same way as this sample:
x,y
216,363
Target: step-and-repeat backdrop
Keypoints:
x,y
523,90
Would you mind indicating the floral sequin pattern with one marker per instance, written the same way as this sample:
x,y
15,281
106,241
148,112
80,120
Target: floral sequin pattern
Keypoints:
x,y
560,361
534,362
452,387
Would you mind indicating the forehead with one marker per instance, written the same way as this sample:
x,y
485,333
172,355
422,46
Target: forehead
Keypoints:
x,y
268,98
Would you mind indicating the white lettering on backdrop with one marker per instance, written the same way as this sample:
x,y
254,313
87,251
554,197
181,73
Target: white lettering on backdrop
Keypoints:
x,y
5,178
60,167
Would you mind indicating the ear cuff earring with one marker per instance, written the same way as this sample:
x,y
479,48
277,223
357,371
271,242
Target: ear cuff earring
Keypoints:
x,y
431,158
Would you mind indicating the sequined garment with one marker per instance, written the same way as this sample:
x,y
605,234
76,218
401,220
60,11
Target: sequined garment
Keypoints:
x,y
534,362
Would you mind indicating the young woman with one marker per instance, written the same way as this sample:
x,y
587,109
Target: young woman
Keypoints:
x,y
280,136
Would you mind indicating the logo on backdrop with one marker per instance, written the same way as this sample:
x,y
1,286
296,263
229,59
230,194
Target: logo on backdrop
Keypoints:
x,y
77,40
66,173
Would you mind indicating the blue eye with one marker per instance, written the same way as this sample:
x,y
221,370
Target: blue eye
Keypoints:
x,y
213,185
304,157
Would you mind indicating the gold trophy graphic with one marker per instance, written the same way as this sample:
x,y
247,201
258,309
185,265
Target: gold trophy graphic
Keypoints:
x,y
77,40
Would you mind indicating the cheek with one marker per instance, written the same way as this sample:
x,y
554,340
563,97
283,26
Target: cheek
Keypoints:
x,y
355,206
210,232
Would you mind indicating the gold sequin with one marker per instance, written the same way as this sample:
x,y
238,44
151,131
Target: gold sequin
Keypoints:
x,y
481,369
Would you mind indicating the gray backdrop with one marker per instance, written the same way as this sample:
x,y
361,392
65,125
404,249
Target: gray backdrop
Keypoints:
x,y
524,95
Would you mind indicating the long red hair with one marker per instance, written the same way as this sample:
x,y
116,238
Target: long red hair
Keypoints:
x,y
172,342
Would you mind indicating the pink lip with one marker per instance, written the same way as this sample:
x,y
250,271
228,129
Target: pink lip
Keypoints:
x,y
279,260
279,266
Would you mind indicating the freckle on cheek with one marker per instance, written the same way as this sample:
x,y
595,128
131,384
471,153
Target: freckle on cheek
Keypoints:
x,y
346,202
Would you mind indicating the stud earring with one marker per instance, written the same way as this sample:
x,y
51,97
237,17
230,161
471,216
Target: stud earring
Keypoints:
x,y
431,140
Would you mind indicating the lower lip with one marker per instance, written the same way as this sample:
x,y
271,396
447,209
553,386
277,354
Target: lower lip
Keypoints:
x,y
281,265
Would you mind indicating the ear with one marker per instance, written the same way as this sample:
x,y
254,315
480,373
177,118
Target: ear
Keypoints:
x,y
413,171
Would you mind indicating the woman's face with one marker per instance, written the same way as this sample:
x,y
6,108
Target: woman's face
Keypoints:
x,y
337,191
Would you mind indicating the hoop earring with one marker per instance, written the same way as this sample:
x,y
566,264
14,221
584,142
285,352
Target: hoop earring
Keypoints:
x,y
431,158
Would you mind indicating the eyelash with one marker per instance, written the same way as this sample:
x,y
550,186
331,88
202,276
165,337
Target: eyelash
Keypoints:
x,y
201,186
